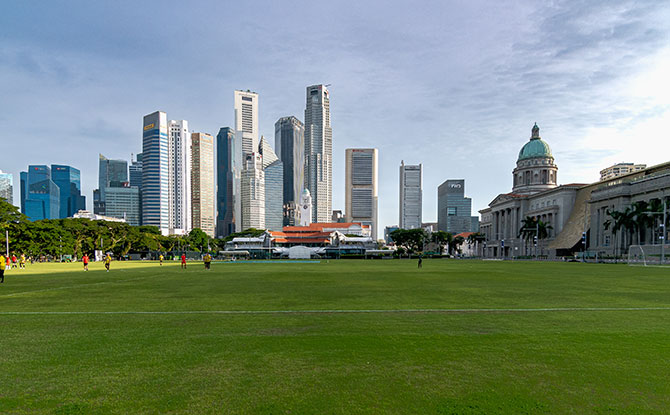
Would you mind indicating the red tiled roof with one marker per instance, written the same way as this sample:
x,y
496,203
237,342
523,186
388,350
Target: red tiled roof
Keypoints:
x,y
320,226
464,234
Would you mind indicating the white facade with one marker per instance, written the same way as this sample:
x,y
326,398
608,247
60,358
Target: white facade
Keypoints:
x,y
202,183
179,174
319,152
246,119
361,196
620,169
411,194
305,208
253,192
6,187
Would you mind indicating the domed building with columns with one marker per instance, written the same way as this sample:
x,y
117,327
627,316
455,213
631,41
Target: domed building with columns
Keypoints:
x,y
535,193
570,210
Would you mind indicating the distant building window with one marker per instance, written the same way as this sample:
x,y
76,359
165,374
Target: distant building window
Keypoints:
x,y
451,211
247,99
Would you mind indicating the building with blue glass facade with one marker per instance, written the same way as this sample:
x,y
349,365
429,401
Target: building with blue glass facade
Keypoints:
x,y
290,148
40,196
155,193
228,176
454,210
68,180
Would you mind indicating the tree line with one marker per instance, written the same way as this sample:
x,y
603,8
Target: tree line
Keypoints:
x,y
413,241
56,237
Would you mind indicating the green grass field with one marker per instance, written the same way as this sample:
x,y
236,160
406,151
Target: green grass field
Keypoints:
x,y
336,337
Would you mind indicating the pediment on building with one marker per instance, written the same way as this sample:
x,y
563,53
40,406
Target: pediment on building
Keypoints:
x,y
506,197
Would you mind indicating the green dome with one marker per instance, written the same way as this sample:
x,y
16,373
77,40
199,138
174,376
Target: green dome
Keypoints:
x,y
536,147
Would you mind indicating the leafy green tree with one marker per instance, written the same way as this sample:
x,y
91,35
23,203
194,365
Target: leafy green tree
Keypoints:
x,y
441,239
410,239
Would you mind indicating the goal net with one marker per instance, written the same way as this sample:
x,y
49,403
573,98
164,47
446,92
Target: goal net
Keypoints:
x,y
648,255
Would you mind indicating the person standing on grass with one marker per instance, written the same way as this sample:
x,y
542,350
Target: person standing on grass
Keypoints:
x,y
2,269
183,261
208,260
84,259
14,261
420,262
108,260
160,258
6,262
22,261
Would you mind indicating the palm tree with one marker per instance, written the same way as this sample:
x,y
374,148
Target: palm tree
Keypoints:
x,y
476,238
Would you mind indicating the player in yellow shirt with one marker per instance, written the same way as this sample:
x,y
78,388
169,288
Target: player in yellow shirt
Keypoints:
x,y
2,268
160,258
108,260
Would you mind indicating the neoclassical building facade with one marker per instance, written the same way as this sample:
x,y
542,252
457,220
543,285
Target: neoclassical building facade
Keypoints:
x,y
535,193
571,209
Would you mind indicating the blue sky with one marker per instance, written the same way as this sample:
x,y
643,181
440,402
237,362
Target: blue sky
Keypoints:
x,y
454,85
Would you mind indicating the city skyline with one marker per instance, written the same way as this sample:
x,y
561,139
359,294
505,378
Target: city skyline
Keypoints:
x,y
591,75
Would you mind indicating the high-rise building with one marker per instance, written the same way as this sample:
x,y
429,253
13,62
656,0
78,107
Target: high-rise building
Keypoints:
x,y
274,186
155,182
179,177
7,187
202,183
228,182
246,119
68,180
253,192
411,184
361,187
135,171
290,148
319,152
111,173
620,169
124,203
40,196
454,209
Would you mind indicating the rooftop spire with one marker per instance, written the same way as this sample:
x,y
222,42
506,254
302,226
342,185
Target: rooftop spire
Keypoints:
x,y
535,132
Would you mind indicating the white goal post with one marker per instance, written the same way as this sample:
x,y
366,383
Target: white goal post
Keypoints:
x,y
645,255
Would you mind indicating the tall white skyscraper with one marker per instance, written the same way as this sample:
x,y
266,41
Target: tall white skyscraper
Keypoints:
x,y
246,119
361,187
155,188
319,152
253,192
202,183
411,183
179,173
7,187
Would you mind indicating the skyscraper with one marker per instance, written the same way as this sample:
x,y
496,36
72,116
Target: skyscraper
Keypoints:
x,y
123,203
7,187
179,177
454,209
253,192
274,185
411,183
40,196
135,171
361,187
228,182
202,183
319,152
111,173
290,148
155,192
246,119
68,180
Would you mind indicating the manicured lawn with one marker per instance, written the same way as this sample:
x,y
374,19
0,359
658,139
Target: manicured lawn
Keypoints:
x,y
272,338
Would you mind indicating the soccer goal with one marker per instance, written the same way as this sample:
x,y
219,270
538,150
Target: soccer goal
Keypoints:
x,y
646,255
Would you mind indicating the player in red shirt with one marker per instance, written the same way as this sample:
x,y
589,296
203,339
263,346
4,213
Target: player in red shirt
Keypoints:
x,y
183,261
84,259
